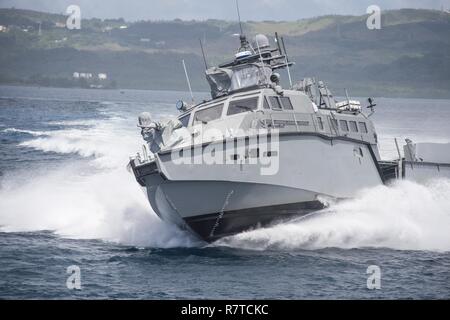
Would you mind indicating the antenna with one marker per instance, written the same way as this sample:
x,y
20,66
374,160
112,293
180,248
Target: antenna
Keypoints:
x,y
188,81
287,61
346,95
348,99
398,149
239,16
261,57
371,106
245,46
259,51
203,53
278,43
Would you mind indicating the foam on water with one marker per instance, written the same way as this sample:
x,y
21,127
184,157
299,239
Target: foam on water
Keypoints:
x,y
107,205
100,199
405,216
30,132
107,142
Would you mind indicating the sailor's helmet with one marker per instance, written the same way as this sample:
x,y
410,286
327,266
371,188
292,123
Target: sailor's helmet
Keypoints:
x,y
145,120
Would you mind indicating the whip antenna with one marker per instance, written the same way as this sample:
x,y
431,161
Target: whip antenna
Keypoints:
x,y
203,53
239,16
287,61
188,81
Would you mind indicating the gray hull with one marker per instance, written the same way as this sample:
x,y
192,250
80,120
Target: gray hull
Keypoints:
x,y
214,201
214,209
422,172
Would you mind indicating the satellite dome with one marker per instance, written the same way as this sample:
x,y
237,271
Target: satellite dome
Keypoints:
x,y
261,41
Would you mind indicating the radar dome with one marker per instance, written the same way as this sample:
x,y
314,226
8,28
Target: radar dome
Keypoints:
x,y
261,41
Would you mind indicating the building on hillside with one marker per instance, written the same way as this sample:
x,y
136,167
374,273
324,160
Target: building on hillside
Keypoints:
x,y
60,40
84,75
88,75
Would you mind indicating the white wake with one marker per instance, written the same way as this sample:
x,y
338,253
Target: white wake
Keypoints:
x,y
403,216
96,199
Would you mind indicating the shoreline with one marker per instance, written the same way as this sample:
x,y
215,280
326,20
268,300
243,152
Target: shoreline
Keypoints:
x,y
356,95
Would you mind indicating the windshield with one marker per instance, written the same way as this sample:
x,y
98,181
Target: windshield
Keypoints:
x,y
219,80
247,77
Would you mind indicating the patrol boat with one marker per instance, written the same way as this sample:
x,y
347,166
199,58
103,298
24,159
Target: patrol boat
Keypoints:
x,y
257,153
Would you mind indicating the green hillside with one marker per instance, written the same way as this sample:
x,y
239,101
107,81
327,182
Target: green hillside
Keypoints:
x,y
409,56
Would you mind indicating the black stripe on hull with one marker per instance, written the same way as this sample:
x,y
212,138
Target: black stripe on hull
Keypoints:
x,y
214,226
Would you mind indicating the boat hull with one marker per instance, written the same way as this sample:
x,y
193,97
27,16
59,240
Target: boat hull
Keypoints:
x,y
215,209
211,227
214,201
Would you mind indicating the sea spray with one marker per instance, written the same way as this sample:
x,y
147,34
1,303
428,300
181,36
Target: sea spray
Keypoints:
x,y
404,215
107,205
93,199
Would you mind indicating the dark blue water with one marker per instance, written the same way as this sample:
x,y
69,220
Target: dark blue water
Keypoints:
x,y
67,199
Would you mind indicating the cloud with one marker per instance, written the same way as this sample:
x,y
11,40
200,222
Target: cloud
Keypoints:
x,y
218,9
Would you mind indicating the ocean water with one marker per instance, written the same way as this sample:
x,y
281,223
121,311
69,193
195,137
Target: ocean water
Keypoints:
x,y
67,199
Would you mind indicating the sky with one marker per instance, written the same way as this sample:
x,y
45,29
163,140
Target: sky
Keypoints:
x,y
257,10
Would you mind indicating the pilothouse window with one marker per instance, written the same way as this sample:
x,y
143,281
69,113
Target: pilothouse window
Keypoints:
x,y
275,102
248,76
344,125
279,103
363,127
319,120
245,105
287,105
266,103
185,120
334,124
353,126
208,114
